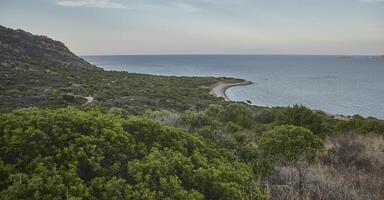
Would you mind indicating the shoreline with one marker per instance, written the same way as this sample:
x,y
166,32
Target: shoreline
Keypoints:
x,y
219,89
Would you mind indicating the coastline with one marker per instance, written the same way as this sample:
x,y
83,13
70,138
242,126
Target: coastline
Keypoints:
x,y
219,89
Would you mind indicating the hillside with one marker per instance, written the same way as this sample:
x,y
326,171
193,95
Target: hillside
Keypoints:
x,y
163,137
39,72
18,47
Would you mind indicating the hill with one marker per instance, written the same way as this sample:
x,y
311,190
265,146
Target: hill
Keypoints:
x,y
37,71
18,47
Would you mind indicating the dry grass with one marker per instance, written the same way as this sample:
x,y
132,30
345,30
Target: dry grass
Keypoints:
x,y
353,169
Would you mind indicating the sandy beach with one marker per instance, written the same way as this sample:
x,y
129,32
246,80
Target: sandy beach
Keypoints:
x,y
220,88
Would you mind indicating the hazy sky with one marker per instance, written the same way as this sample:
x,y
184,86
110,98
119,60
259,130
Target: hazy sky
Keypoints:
x,y
204,26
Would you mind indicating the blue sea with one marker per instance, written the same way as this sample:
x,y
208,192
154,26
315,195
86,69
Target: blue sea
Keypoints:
x,y
333,84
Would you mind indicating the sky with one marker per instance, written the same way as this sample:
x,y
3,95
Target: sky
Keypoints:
x,y
111,27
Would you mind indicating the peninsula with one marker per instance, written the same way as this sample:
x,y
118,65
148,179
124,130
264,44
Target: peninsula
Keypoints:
x,y
219,89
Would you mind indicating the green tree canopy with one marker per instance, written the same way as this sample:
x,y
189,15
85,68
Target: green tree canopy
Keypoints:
x,y
299,115
74,154
290,143
238,114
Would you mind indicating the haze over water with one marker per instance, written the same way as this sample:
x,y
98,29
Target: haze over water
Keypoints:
x,y
345,86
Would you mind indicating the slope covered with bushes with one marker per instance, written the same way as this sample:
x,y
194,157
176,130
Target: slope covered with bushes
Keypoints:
x,y
68,153
36,71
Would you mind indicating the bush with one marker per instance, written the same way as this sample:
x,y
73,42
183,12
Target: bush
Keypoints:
x,y
73,154
361,125
264,116
238,114
353,169
164,117
290,143
302,116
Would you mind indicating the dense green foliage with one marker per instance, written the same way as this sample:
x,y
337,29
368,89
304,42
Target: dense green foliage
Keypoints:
x,y
69,153
322,124
302,116
290,143
360,125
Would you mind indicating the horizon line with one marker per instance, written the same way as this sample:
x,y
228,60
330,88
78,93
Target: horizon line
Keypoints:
x,y
231,54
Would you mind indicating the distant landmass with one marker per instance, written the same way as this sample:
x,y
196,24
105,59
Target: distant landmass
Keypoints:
x,y
349,56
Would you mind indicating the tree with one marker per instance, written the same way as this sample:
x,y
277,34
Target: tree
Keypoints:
x,y
302,116
292,145
238,114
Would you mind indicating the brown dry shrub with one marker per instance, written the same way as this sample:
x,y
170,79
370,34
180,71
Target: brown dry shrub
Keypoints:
x,y
353,169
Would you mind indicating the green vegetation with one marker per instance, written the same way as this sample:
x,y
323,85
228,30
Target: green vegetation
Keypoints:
x,y
292,146
68,153
290,143
158,137
36,71
360,125
302,116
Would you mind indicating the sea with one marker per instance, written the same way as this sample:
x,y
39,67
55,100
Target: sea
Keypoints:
x,y
334,84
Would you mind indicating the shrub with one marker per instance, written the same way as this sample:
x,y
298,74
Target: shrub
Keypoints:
x,y
353,169
264,116
73,154
290,143
302,116
238,114
361,125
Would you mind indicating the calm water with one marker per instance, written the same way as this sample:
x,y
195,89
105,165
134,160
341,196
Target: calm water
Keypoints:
x,y
337,85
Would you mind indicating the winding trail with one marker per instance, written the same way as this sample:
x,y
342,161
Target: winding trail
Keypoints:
x,y
89,100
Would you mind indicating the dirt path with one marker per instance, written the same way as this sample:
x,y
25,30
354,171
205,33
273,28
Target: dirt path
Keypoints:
x,y
89,100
